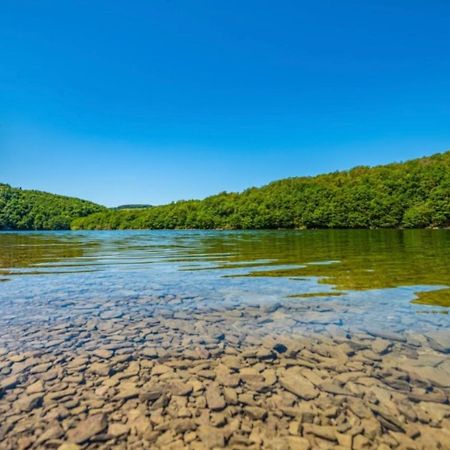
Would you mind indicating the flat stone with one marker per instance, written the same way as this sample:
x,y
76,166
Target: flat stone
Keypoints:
x,y
161,369
232,362
386,334
229,380
298,443
387,419
150,392
298,385
333,388
440,341
150,352
111,314
180,388
41,368
324,432
118,429
57,395
69,446
255,412
102,353
54,432
127,390
9,382
29,402
87,429
434,375
101,369
214,398
230,396
211,437
264,353
269,308
381,346
183,425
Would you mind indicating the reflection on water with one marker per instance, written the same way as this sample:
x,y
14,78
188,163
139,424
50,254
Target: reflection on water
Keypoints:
x,y
343,260
356,280
26,249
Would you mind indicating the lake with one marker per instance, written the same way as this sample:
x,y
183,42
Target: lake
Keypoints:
x,y
390,277
80,308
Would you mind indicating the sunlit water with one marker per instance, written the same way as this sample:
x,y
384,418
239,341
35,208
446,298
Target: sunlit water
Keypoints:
x,y
391,279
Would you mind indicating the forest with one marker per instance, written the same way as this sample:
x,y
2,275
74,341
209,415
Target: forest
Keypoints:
x,y
22,209
412,194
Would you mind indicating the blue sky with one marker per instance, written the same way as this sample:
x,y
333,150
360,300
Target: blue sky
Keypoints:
x,y
154,101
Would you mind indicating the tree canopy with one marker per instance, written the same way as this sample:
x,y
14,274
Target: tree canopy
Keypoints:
x,y
22,209
413,194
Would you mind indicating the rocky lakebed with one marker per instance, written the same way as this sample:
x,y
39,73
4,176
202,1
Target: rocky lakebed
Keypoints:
x,y
202,340
146,373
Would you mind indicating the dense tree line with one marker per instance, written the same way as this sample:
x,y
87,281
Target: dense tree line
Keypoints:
x,y
35,210
414,194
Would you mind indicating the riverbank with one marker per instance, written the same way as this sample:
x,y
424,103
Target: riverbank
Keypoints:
x,y
185,379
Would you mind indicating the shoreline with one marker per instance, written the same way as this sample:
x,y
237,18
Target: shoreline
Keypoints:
x,y
240,230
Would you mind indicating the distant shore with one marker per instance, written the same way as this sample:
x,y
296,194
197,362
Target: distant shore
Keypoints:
x,y
412,194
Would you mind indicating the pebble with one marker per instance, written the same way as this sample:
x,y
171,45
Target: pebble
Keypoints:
x,y
180,379
87,429
214,398
298,385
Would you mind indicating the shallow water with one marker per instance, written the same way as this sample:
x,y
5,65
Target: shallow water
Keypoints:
x,y
388,265
197,340
364,278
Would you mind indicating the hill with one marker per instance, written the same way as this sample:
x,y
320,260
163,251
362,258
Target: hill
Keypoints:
x,y
22,209
411,194
133,206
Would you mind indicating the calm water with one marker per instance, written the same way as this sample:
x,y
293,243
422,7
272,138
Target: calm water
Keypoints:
x,y
391,278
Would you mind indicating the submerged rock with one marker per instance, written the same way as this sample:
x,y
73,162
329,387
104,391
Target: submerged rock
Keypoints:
x,y
87,429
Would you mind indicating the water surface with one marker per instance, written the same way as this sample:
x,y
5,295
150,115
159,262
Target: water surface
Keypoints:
x,y
388,278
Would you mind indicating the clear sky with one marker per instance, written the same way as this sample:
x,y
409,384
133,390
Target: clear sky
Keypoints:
x,y
152,101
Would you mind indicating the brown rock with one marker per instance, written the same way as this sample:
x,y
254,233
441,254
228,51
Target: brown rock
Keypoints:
x,y
440,341
230,396
381,346
255,412
150,392
101,369
211,437
36,387
29,402
324,432
9,382
298,443
180,388
118,429
298,385
333,388
214,398
69,446
102,353
161,369
434,375
232,362
127,390
54,432
87,429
